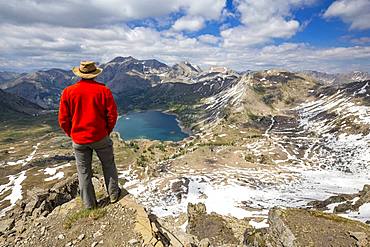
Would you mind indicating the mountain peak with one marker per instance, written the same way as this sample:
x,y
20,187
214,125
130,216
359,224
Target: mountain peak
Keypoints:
x,y
187,66
120,59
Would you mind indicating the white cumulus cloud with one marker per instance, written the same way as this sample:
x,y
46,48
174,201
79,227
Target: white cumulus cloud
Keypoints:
x,y
209,9
263,21
354,12
91,13
188,23
46,46
208,38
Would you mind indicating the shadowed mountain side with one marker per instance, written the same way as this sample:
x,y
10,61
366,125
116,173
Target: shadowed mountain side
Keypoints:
x,y
12,106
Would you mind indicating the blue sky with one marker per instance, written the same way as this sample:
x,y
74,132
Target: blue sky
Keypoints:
x,y
332,36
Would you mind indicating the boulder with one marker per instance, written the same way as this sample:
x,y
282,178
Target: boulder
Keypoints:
x,y
303,227
204,243
6,225
279,231
216,228
341,208
255,238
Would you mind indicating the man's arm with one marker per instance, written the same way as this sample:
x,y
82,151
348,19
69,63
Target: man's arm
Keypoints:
x,y
65,121
111,111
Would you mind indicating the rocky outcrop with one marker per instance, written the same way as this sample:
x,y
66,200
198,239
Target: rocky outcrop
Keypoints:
x,y
145,225
6,226
302,227
345,202
55,217
38,203
213,229
42,203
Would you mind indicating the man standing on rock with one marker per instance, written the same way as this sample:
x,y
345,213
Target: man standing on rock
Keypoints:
x,y
87,114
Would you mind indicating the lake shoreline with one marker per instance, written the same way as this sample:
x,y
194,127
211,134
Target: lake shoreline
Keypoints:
x,y
182,127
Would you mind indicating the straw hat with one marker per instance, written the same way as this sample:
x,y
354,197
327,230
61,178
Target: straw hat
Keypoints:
x,y
87,70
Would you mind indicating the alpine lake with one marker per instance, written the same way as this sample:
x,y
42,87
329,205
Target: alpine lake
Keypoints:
x,y
153,125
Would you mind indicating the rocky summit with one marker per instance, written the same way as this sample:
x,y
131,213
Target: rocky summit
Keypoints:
x,y
275,158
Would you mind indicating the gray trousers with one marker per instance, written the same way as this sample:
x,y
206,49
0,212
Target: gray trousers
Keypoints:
x,y
83,153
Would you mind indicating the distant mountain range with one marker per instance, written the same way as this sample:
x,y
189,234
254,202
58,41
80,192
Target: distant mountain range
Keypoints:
x,y
135,83
143,83
337,78
41,87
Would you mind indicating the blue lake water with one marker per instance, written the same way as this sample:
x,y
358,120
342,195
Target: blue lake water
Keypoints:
x,y
153,125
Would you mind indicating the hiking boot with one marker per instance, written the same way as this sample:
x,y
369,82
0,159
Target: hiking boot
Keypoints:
x,y
92,207
116,197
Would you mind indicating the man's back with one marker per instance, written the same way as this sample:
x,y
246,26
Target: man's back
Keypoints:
x,y
87,111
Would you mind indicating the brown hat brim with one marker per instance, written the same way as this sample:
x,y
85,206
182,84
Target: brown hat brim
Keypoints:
x,y
90,75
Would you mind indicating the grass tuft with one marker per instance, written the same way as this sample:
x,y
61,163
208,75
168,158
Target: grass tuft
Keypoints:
x,y
93,214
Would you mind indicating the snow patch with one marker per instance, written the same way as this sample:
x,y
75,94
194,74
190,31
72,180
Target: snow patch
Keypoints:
x,y
24,162
15,186
259,225
58,175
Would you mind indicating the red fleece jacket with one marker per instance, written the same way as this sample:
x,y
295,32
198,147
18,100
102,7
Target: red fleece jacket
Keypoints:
x,y
87,111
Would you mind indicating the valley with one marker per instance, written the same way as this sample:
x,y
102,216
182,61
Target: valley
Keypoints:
x,y
309,153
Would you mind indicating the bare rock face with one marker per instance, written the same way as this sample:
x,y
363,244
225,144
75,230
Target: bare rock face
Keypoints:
x,y
322,205
213,229
281,234
256,238
302,227
180,187
43,203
